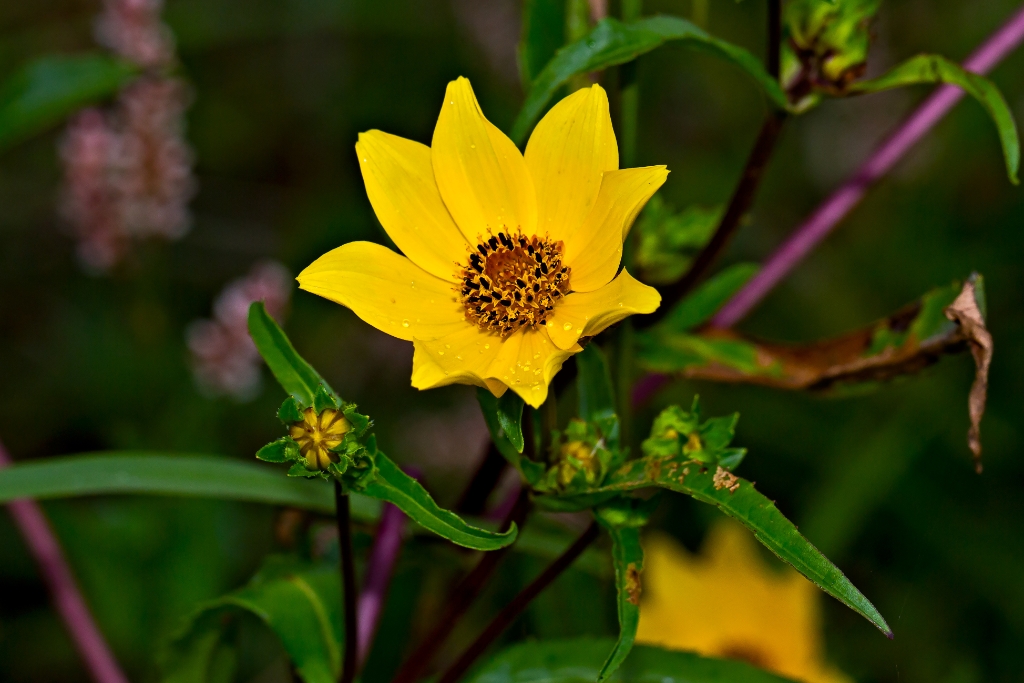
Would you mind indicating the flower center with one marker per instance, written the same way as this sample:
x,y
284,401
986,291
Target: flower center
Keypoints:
x,y
513,281
318,434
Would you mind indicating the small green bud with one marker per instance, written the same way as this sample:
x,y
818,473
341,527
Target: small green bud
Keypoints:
x,y
830,40
317,434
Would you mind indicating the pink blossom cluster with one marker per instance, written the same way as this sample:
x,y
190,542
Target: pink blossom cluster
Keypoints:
x,y
224,359
128,168
132,29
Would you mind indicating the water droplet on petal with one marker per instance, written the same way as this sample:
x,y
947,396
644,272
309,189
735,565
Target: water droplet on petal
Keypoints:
x,y
579,330
567,327
440,352
487,346
405,323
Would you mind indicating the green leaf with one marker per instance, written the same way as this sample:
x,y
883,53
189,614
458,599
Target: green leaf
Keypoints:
x,y
578,660
628,560
543,32
300,604
611,43
669,240
504,418
936,69
44,92
294,374
389,483
739,499
705,301
194,476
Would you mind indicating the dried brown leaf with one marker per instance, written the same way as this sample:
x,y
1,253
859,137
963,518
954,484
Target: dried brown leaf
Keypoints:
x,y
966,313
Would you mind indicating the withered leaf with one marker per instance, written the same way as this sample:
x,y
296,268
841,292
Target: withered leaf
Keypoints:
x,y
967,314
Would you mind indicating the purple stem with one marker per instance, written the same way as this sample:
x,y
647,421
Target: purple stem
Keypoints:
x,y
45,548
843,200
387,545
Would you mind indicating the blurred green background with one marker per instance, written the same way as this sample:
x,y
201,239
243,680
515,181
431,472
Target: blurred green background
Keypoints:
x,y
883,482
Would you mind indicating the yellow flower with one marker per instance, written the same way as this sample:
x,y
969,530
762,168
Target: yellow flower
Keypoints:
x,y
509,258
726,602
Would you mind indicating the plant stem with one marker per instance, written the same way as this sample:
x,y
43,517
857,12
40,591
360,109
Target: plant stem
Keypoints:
x,y
830,212
746,190
64,591
488,473
461,598
513,609
348,584
742,199
387,545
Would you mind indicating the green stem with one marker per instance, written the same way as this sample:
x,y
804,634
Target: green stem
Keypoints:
x,y
348,583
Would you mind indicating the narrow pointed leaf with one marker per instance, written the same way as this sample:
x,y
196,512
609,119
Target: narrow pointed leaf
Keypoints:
x,y
300,605
291,371
579,659
390,484
628,559
49,89
936,69
739,499
612,42
194,476
504,418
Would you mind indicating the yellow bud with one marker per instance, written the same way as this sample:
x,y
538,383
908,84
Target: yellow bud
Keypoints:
x,y
317,434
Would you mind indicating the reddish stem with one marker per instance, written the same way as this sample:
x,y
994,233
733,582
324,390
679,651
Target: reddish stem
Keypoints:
x,y
844,199
67,598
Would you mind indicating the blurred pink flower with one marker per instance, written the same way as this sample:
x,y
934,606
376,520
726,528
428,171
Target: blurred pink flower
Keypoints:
x,y
128,168
132,29
224,359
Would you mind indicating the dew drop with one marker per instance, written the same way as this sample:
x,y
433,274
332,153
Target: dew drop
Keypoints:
x,y
567,327
487,346
536,356
458,357
579,330
405,323
620,304
440,352
447,346
472,146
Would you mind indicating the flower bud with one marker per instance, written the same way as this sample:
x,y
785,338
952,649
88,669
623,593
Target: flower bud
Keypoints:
x,y
317,434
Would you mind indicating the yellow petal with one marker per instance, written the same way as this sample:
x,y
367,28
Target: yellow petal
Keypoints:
x,y
426,374
525,362
386,290
479,171
569,150
588,313
400,183
595,249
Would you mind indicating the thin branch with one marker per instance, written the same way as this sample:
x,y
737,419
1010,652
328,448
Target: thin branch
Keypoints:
x,y
387,545
460,599
742,199
348,584
64,591
518,604
820,223
488,473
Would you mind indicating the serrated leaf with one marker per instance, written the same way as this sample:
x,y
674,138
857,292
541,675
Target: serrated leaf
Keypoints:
x,y
292,372
612,42
628,560
299,604
936,69
44,92
543,32
578,660
290,411
739,499
390,484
